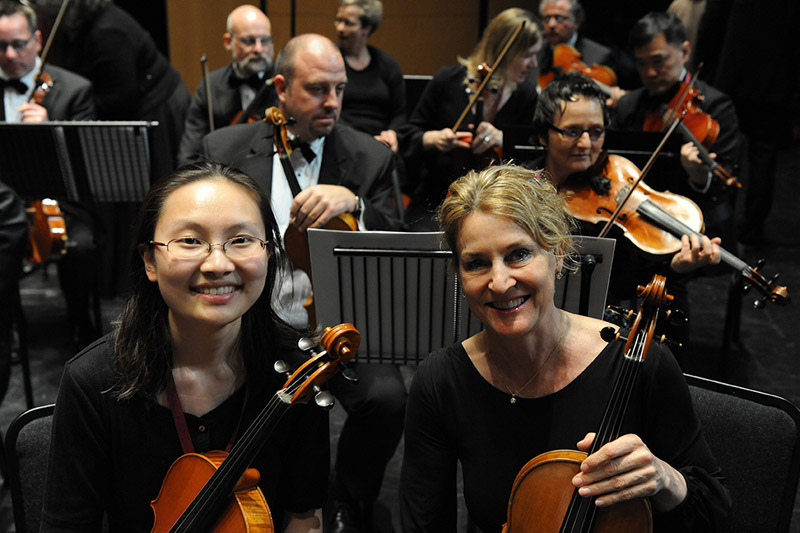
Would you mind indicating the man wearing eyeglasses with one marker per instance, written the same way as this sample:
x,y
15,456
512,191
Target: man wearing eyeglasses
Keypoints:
x,y
69,98
562,19
244,84
661,51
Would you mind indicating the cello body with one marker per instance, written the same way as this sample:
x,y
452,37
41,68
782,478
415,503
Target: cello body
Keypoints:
x,y
246,511
546,479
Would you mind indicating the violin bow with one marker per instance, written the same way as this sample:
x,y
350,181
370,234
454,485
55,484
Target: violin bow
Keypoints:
x,y
207,85
486,79
46,48
644,173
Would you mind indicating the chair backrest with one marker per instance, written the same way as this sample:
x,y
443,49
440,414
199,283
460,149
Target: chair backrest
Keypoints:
x,y
754,437
27,447
415,85
401,293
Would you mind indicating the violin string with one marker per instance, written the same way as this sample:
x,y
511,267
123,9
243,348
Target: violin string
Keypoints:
x,y
261,428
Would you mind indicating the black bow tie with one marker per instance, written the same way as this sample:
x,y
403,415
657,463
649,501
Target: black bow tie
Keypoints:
x,y
14,84
304,147
253,81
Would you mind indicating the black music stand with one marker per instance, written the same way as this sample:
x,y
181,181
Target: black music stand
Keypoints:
x,y
78,161
401,293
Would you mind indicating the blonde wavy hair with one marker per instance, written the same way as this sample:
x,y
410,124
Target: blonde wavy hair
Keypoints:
x,y
518,194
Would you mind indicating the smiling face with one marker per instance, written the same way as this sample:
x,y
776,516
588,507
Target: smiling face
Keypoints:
x,y
508,279
213,292
566,156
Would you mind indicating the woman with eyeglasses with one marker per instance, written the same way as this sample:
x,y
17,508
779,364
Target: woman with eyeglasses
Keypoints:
x,y
537,379
570,121
433,151
188,367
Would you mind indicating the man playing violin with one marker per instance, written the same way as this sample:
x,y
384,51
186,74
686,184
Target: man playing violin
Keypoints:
x,y
69,98
339,170
233,87
661,51
562,19
570,121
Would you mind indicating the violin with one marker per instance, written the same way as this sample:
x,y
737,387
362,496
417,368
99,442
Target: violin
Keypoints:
x,y
695,126
217,491
567,59
294,240
653,221
543,498
47,235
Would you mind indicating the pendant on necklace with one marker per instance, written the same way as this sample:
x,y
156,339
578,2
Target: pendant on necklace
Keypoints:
x,y
513,399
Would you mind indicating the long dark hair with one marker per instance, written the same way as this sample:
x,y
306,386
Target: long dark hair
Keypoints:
x,y
143,345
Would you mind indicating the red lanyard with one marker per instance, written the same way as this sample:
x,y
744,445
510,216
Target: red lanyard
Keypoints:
x,y
180,418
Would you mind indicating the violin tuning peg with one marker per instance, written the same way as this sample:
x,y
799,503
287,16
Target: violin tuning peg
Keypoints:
x,y
760,303
306,344
323,398
469,91
676,317
350,374
621,311
609,334
760,263
281,367
663,339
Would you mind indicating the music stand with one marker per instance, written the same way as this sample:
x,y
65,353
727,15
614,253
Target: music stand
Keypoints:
x,y
79,161
401,292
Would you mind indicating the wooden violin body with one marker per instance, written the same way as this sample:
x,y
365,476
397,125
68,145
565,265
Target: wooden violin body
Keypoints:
x,y
47,234
686,102
547,480
567,59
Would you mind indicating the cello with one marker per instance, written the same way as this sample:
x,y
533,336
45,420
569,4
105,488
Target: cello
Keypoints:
x,y
217,491
543,498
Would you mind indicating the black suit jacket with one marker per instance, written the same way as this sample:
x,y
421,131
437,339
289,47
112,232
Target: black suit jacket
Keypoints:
x,y
350,158
226,102
70,97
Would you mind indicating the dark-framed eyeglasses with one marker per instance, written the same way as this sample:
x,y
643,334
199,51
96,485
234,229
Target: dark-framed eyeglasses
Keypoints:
x,y
17,44
560,19
239,247
573,133
251,40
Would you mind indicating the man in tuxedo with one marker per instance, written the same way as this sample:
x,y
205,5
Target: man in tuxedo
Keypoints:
x,y
244,84
69,98
332,169
562,19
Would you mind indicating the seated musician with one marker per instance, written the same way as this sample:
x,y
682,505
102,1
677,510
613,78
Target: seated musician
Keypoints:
x,y
234,87
69,98
562,19
570,121
339,170
198,322
375,97
429,142
537,379
661,51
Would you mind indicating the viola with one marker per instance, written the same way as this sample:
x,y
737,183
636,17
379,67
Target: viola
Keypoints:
x,y
217,491
294,240
543,498
567,59
653,221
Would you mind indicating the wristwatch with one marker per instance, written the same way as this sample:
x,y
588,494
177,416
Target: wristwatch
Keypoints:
x,y
359,207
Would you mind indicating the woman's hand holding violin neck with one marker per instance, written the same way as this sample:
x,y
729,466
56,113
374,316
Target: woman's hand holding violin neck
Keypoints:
x,y
31,112
486,137
694,165
625,469
696,251
389,138
445,140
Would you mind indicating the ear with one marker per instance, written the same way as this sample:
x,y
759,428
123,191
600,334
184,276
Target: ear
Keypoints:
x,y
281,87
686,51
542,140
227,41
146,253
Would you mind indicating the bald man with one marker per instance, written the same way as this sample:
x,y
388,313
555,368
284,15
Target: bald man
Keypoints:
x,y
337,170
244,83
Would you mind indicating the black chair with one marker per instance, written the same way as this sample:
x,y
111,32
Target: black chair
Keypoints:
x,y
27,447
754,437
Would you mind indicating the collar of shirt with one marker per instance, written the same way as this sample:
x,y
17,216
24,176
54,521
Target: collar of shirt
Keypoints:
x,y
573,40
